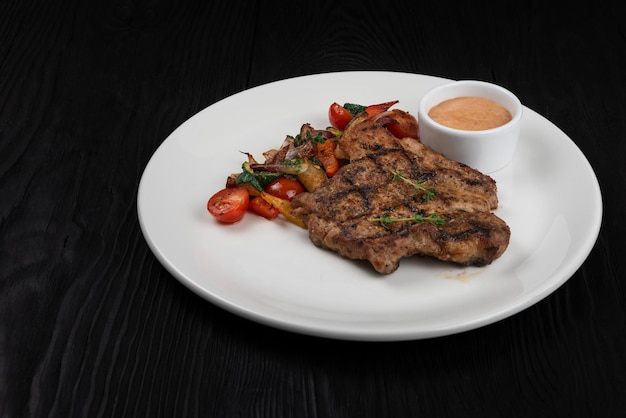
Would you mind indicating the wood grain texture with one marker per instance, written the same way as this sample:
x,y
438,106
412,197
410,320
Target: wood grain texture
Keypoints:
x,y
92,325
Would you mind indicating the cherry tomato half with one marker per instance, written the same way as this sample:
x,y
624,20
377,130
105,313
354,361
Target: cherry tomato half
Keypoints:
x,y
339,116
229,204
263,208
284,188
403,125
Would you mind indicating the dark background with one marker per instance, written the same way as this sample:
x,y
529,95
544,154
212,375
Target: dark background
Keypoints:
x,y
92,325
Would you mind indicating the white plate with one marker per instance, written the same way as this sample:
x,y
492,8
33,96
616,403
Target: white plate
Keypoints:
x,y
271,273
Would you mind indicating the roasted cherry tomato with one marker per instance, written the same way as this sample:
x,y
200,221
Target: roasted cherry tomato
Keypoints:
x,y
229,205
404,125
284,188
339,116
263,208
397,131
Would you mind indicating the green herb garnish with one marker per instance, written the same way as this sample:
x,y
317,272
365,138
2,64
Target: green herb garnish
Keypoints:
x,y
387,220
417,185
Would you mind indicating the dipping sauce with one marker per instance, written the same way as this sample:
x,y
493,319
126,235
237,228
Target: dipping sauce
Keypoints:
x,y
470,114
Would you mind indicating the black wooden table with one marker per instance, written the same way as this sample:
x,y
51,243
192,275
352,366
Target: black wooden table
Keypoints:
x,y
92,325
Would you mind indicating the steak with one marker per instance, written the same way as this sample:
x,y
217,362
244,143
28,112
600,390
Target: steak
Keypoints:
x,y
397,198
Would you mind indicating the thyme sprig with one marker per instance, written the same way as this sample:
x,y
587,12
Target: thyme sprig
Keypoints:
x,y
386,220
429,192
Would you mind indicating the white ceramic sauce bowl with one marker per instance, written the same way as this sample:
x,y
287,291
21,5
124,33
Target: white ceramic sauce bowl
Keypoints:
x,y
486,150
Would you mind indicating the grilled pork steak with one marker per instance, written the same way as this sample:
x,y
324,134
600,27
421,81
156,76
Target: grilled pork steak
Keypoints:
x,y
396,198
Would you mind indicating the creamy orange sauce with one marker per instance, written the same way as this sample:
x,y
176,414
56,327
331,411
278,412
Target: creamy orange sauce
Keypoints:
x,y
470,114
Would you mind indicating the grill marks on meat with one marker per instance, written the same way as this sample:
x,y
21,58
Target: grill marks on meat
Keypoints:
x,y
339,215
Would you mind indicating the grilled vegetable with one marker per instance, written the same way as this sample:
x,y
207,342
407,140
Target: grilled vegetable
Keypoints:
x,y
313,177
284,207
